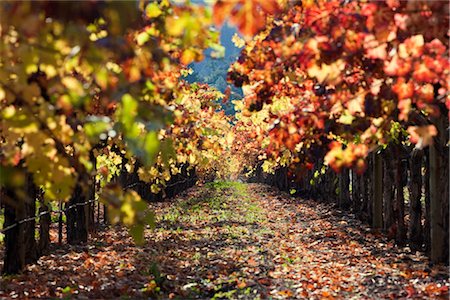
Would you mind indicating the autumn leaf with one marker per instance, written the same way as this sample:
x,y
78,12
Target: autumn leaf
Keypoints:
x,y
412,47
423,73
401,20
327,73
426,93
238,41
403,89
248,15
374,49
188,56
393,3
222,10
241,285
404,106
397,66
152,10
422,136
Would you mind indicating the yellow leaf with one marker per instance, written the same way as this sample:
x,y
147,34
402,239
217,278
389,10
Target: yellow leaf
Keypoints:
x,y
9,112
155,189
142,38
238,41
101,77
230,138
192,159
329,74
128,213
2,94
346,119
152,10
188,56
175,26
74,85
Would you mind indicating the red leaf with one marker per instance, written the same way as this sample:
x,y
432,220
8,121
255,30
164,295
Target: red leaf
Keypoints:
x,y
404,90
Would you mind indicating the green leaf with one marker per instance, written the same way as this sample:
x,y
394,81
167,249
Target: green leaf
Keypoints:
x,y
150,86
346,119
137,232
151,147
142,38
10,176
101,77
218,50
154,270
150,220
167,150
127,117
94,130
129,110
152,10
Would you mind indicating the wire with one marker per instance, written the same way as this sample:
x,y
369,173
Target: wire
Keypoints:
x,y
44,213
2,231
186,179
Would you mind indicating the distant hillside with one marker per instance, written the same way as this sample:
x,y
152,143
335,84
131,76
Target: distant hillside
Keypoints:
x,y
214,70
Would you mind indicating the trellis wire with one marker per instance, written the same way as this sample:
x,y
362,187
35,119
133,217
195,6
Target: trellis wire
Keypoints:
x,y
3,230
44,213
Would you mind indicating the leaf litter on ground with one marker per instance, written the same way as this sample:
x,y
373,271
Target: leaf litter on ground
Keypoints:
x,y
229,240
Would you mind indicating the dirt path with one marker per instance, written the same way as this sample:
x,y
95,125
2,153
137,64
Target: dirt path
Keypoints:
x,y
239,241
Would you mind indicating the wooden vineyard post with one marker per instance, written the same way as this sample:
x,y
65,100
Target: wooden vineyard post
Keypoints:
x,y
438,192
363,214
388,190
60,223
415,209
400,182
437,233
77,222
427,214
44,225
344,189
105,214
356,195
377,208
14,260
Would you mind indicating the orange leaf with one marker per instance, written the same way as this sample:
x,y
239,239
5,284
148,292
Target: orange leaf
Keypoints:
x,y
426,92
248,15
16,158
423,74
222,9
404,106
253,263
422,136
374,49
403,89
397,67
264,281
241,285
286,293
